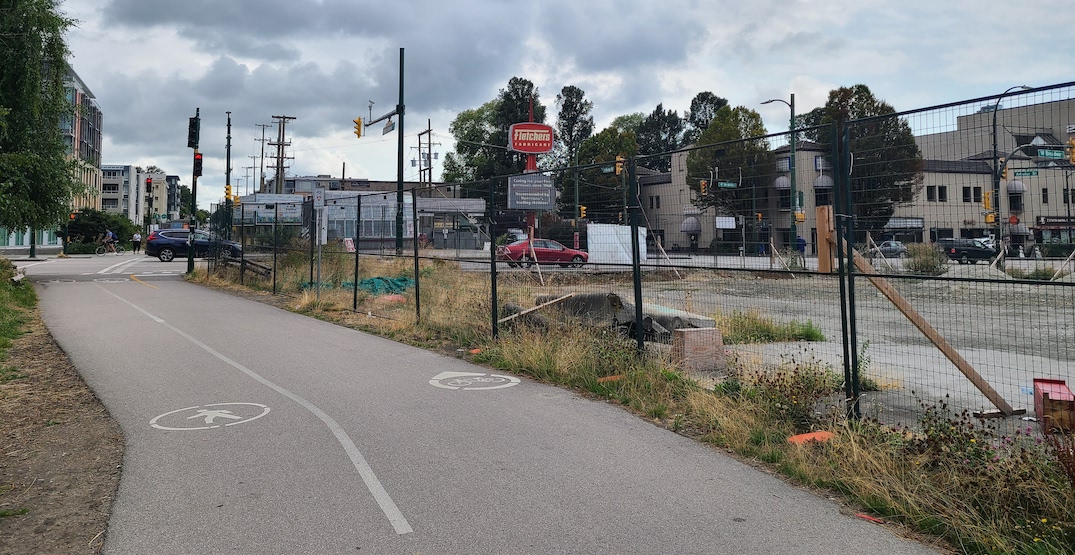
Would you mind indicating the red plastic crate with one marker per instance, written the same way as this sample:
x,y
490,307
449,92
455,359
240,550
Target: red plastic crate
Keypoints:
x,y
1054,405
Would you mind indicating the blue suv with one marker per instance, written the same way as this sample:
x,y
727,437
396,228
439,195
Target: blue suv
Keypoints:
x,y
167,244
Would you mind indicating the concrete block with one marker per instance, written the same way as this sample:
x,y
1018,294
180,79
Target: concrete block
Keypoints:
x,y
698,349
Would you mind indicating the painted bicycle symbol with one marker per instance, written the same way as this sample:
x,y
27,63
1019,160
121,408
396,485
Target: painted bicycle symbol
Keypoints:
x,y
472,381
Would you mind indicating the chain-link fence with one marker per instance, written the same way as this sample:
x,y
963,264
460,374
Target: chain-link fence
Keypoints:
x,y
920,255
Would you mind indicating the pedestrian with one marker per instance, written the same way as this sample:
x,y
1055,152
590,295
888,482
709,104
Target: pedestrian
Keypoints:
x,y
136,241
800,245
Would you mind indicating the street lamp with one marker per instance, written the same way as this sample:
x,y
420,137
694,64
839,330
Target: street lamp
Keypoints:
x,y
996,162
791,161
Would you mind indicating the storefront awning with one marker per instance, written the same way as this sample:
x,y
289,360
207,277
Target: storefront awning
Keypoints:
x,y
1016,186
782,182
823,182
690,225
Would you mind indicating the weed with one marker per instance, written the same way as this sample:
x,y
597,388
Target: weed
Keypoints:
x,y
751,327
16,512
925,259
1040,273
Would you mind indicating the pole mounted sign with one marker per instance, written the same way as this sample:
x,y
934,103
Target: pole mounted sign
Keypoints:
x,y
531,192
529,137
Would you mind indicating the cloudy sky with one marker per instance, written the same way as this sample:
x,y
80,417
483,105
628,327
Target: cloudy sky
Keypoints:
x,y
150,63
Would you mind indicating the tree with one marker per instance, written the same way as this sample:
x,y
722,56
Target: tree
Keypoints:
x,y
887,161
574,124
602,193
703,109
628,122
37,179
737,155
660,132
481,135
184,202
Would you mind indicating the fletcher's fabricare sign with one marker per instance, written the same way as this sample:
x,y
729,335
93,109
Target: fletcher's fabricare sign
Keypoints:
x,y
531,138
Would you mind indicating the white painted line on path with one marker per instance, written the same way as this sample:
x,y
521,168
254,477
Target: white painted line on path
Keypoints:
x,y
124,264
388,507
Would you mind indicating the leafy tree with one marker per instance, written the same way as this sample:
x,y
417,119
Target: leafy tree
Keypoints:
x,y
737,155
36,174
89,225
628,122
474,155
482,135
602,193
574,124
703,109
887,161
660,132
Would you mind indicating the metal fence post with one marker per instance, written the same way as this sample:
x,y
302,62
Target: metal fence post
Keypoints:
x,y
636,256
490,211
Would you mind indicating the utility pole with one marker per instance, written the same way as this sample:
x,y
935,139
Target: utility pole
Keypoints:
x,y
254,161
261,174
400,109
278,181
227,182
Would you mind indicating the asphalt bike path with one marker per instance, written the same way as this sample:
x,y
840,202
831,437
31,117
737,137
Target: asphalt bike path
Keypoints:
x,y
250,429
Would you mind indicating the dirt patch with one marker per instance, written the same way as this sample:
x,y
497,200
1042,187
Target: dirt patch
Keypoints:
x,y
61,453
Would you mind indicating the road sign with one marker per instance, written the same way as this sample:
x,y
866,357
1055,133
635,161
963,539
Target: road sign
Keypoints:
x,y
319,197
727,184
608,169
1050,153
1026,173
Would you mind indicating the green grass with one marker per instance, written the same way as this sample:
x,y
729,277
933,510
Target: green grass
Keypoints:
x,y
750,326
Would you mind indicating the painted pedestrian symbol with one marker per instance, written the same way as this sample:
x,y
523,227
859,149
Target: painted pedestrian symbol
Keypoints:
x,y
211,415
207,417
472,381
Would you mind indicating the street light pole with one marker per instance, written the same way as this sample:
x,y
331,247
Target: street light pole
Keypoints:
x,y
791,162
998,240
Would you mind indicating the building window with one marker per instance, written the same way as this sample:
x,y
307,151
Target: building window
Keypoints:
x,y
931,193
1067,196
109,203
651,202
658,197
966,195
977,194
942,193
822,197
783,164
1044,195
1015,202
821,163
785,198
110,188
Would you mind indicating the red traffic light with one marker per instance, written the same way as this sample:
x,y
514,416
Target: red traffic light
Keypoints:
x,y
197,164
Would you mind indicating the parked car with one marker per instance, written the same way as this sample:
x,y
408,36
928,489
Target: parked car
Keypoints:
x,y
167,244
545,251
966,251
892,249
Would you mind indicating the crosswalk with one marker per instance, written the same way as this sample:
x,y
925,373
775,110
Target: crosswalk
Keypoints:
x,y
128,267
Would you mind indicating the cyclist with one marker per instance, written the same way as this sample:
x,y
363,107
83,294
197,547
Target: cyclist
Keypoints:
x,y
110,241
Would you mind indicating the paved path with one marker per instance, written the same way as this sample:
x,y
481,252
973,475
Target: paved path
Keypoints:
x,y
254,430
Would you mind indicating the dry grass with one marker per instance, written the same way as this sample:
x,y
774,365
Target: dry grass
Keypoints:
x,y
950,476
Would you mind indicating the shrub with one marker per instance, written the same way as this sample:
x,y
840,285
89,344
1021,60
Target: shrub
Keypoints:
x,y
925,259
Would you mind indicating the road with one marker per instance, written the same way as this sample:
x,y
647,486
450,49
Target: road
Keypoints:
x,y
254,430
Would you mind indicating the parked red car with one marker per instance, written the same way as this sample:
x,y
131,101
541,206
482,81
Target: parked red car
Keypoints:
x,y
545,251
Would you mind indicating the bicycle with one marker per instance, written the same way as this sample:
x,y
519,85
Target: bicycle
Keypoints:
x,y
102,249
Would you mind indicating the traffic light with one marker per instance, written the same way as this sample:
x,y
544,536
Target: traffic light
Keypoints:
x,y
619,164
702,187
197,164
1003,168
149,184
991,218
987,200
192,132
582,211
758,215
1071,150
358,127
227,191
